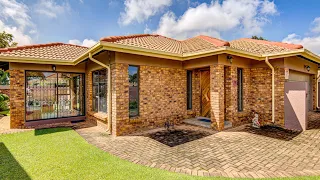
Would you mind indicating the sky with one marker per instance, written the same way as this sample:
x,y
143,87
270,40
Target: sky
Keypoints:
x,y
84,22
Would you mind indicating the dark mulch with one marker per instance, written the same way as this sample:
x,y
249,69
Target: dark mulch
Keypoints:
x,y
272,132
176,137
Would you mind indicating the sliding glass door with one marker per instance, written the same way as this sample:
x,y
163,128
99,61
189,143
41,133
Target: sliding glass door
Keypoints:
x,y
52,95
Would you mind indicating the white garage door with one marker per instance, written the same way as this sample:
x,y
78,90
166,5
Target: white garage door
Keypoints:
x,y
295,76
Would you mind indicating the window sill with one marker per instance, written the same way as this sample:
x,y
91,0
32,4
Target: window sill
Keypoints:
x,y
99,115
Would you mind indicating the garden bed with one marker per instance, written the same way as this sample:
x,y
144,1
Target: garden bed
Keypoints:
x,y
177,136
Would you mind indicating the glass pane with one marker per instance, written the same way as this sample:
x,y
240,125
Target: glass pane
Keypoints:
x,y
133,91
41,95
99,89
53,95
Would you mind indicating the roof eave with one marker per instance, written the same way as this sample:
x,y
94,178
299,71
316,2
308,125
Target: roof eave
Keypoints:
x,y
35,60
140,51
302,52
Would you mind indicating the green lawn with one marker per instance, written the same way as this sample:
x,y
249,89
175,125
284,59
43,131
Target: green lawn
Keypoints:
x,y
62,154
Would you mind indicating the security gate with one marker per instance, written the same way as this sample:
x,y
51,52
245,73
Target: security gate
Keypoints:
x,y
51,95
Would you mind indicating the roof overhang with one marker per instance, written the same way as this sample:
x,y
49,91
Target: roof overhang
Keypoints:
x,y
100,46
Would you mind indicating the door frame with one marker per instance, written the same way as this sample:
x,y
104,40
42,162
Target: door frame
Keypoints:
x,y
57,119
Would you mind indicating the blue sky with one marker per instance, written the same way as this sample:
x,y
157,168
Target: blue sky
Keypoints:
x,y
84,22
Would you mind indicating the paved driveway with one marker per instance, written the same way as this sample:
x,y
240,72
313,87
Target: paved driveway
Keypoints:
x,y
241,152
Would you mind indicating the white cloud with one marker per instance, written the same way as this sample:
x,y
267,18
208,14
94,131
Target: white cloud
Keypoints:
x,y
316,25
268,7
19,36
140,10
311,43
246,16
85,42
14,19
50,8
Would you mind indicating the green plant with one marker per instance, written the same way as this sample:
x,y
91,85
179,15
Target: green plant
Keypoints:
x,y
4,77
4,102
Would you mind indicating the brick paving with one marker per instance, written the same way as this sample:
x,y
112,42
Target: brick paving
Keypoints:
x,y
239,152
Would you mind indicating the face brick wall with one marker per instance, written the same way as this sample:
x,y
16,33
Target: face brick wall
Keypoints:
x,y
162,97
17,92
217,96
196,95
261,90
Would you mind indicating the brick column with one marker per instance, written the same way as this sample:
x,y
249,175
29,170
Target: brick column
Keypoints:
x,y
120,98
231,91
279,96
196,93
217,96
17,99
314,91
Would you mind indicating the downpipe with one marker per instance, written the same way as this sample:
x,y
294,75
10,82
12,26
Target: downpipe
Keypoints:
x,y
273,88
109,89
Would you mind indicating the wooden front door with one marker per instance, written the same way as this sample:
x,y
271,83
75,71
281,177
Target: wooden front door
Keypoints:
x,y
205,93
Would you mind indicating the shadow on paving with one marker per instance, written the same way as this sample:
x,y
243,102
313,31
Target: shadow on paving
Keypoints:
x,y
272,132
9,166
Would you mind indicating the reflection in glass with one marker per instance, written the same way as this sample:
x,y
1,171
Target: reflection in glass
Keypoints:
x,y
53,95
99,90
133,91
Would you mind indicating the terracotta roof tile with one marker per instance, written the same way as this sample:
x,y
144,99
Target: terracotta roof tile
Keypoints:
x,y
262,46
61,51
165,44
55,51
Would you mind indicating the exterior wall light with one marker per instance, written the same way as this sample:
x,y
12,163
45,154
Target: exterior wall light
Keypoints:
x,y
54,68
229,58
307,67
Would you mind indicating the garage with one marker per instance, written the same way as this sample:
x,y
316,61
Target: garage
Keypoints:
x,y
298,100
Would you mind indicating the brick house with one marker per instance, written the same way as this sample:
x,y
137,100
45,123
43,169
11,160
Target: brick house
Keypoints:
x,y
140,81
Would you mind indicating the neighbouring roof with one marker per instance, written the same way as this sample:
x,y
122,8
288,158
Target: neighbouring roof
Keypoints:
x,y
53,51
153,45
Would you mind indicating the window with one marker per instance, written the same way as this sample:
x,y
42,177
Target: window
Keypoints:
x,y
99,90
133,91
52,95
189,89
240,90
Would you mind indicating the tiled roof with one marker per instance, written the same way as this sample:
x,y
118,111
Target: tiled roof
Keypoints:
x,y
262,46
54,51
198,44
165,44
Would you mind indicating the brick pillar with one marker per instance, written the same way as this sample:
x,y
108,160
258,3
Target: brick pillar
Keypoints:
x,y
196,93
120,98
89,92
17,99
217,96
314,91
279,96
231,94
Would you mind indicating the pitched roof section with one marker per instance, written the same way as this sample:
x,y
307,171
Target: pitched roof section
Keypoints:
x,y
54,51
165,44
262,46
195,46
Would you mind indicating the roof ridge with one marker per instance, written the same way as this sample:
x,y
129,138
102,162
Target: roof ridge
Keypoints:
x,y
116,38
214,41
9,49
274,43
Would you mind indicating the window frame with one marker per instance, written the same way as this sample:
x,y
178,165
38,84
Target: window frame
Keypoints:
x,y
189,89
98,86
138,87
240,89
